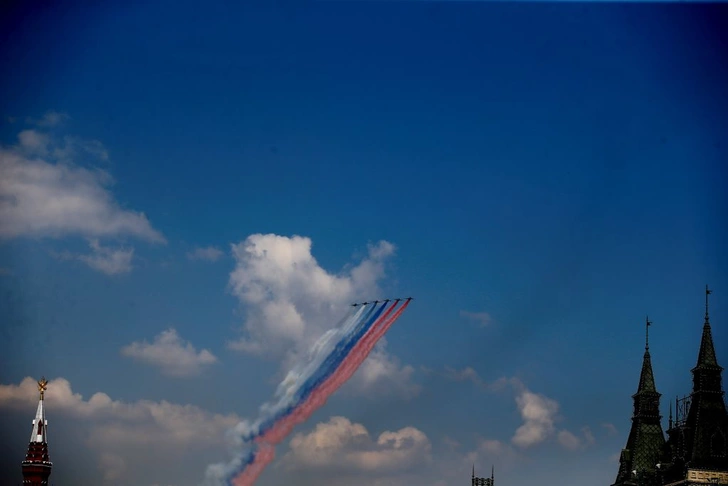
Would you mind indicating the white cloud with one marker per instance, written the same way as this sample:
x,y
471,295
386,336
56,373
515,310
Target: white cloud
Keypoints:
x,y
42,195
108,260
482,318
34,142
210,254
572,442
568,440
131,438
538,413
290,301
171,354
382,372
340,445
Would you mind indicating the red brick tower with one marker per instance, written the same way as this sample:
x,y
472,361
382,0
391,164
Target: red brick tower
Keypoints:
x,y
37,465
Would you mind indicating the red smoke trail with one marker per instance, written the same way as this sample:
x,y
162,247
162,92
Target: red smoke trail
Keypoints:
x,y
317,398
265,454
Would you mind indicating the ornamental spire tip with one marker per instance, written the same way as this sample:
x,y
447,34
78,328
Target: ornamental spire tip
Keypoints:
x,y
42,386
647,333
707,293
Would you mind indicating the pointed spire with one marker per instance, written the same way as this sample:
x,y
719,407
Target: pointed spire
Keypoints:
x,y
37,465
706,355
647,379
492,473
40,423
473,470
670,419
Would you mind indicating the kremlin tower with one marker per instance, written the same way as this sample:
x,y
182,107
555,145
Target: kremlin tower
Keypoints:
x,y
37,465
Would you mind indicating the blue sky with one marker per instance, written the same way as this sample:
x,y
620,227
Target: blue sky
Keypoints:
x,y
546,175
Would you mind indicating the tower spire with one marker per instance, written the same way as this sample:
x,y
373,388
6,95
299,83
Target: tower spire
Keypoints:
x,y
647,378
706,354
646,439
707,418
707,293
37,465
647,333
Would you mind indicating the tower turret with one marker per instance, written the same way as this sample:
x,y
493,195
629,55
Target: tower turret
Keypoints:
x,y
638,460
475,481
707,419
37,465
696,451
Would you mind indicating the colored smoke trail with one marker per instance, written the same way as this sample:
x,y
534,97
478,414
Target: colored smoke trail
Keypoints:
x,y
266,453
346,370
333,359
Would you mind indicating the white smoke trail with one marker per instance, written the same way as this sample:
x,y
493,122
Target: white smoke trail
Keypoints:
x,y
242,435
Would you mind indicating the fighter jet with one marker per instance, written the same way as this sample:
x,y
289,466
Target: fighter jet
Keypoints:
x,y
375,302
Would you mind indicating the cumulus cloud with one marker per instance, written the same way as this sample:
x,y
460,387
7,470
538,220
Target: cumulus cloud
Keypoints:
x,y
209,254
538,413
43,194
169,352
482,318
130,436
340,445
289,301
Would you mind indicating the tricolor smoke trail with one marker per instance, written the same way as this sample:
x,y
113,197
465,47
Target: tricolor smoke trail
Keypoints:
x,y
333,359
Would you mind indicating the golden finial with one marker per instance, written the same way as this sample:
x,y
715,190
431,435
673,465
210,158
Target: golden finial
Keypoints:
x,y
42,386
